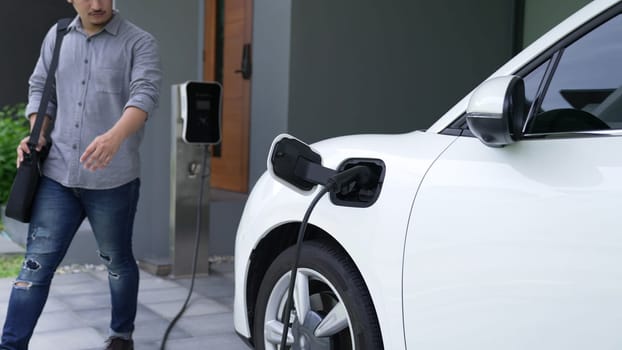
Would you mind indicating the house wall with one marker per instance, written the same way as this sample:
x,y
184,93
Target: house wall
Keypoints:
x,y
324,68
394,66
178,29
270,81
542,15
24,24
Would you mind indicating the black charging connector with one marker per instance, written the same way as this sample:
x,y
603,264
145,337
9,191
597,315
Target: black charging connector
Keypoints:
x,y
364,192
345,181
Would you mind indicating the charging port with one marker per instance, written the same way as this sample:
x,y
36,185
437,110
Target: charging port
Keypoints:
x,y
361,196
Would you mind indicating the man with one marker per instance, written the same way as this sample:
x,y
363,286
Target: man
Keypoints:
x,y
107,84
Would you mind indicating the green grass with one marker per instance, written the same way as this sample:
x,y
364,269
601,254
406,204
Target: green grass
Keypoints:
x,y
10,265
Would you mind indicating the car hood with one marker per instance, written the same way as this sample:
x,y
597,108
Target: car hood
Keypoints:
x,y
337,149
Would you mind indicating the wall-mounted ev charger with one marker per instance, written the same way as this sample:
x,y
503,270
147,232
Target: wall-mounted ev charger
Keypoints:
x,y
200,106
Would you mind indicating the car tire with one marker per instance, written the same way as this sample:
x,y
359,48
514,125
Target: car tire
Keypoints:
x,y
327,281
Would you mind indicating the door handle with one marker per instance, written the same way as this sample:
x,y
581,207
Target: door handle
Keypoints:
x,y
247,66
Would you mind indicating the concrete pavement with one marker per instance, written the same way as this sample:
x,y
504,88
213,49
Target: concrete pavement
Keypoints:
x,y
77,313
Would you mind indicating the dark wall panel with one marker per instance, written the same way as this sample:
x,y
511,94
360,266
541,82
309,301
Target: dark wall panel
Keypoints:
x,y
24,24
389,66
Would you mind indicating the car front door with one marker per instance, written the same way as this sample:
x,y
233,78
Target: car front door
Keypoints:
x,y
521,247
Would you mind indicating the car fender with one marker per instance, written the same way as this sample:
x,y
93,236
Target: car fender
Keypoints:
x,y
373,237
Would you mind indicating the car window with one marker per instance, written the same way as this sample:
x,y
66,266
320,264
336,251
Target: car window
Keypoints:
x,y
585,91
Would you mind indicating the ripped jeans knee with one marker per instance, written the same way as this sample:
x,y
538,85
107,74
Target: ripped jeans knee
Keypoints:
x,y
105,258
36,270
117,265
31,265
25,285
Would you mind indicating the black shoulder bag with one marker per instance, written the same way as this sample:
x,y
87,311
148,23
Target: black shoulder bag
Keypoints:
x,y
26,182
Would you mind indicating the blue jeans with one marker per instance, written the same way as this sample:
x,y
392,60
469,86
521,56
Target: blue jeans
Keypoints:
x,y
57,213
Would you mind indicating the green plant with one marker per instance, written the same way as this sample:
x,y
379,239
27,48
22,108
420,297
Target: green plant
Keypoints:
x,y
13,127
10,265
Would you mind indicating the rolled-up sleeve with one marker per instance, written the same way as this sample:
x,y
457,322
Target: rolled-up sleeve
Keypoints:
x,y
145,76
37,79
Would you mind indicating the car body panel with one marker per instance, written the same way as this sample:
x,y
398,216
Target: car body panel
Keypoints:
x,y
526,237
367,235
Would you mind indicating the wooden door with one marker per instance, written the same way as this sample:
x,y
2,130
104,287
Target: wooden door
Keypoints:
x,y
228,22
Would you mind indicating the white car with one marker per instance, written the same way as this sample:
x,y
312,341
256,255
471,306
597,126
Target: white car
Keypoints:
x,y
499,227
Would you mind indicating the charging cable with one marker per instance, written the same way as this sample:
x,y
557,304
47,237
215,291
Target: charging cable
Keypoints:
x,y
197,240
292,281
343,181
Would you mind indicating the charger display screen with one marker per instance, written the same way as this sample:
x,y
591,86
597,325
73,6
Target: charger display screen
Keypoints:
x,y
203,105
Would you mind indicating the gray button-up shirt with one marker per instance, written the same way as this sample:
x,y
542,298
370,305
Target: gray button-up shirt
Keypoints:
x,y
97,78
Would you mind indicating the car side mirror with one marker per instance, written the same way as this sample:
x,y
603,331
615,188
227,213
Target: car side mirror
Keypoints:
x,y
496,111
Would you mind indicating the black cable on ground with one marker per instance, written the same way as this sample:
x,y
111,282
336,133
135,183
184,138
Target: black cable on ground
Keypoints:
x,y
197,240
301,233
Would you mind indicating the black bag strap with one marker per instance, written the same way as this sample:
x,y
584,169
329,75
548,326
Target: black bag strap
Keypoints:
x,y
61,30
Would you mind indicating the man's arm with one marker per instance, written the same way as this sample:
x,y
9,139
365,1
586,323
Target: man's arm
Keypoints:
x,y
103,148
146,75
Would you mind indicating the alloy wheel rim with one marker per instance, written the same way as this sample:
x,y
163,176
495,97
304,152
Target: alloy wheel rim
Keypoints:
x,y
325,324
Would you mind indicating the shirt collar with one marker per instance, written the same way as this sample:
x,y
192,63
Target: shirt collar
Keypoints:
x,y
112,27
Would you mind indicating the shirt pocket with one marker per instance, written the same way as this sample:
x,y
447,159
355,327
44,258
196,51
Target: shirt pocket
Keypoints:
x,y
109,80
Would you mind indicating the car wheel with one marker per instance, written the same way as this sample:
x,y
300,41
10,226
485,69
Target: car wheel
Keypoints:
x,y
332,307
